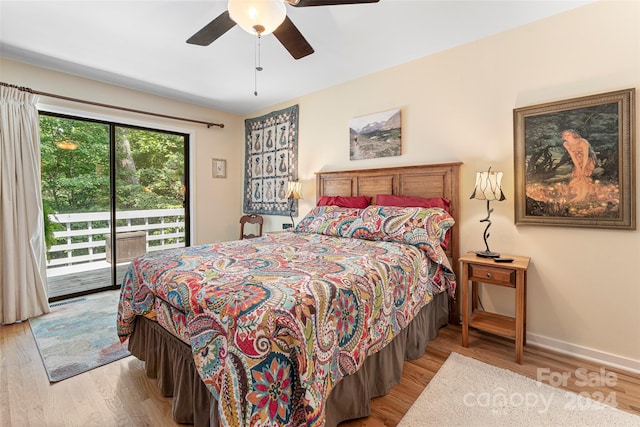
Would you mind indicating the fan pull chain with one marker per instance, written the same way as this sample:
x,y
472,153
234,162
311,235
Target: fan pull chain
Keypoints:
x,y
258,67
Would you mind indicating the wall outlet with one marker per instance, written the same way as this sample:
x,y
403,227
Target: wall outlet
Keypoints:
x,y
286,226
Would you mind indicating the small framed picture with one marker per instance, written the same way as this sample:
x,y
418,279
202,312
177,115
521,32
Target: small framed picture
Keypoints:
x,y
375,135
219,167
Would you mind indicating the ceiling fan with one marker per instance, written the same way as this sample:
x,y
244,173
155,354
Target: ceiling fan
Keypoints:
x,y
286,32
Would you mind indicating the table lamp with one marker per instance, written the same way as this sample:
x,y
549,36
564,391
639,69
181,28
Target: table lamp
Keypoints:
x,y
294,192
488,187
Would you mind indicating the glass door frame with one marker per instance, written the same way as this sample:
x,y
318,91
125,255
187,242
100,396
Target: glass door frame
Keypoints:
x,y
112,124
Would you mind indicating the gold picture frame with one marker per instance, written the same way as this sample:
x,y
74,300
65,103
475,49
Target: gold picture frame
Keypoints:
x,y
575,162
219,168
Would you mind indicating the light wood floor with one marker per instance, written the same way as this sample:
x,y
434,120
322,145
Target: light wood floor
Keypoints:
x,y
120,394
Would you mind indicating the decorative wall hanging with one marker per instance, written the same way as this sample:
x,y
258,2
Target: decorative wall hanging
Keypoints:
x,y
271,161
574,162
375,135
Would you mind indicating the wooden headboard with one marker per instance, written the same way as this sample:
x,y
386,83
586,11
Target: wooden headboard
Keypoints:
x,y
438,180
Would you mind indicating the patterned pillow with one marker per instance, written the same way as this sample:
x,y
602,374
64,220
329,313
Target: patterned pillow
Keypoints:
x,y
328,220
416,202
424,228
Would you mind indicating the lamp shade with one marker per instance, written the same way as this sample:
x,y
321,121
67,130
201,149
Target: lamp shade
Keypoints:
x,y
488,186
257,16
294,190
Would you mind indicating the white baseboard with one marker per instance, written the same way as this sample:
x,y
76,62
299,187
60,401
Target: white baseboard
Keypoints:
x,y
597,356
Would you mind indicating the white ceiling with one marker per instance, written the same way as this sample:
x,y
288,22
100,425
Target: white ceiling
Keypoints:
x,y
141,44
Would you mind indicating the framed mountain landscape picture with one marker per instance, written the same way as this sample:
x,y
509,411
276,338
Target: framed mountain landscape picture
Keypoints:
x,y
375,135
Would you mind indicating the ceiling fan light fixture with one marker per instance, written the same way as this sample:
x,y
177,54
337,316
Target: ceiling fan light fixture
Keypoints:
x,y
252,15
66,145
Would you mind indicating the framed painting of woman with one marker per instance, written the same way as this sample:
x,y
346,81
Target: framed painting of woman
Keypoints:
x,y
574,162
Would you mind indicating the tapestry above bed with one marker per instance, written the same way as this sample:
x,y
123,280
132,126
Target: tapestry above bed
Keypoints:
x,y
271,161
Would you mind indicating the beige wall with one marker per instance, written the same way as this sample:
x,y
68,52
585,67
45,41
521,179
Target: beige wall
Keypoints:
x,y
216,203
584,290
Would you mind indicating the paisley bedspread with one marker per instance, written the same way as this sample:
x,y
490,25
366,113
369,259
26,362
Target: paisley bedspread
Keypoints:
x,y
275,322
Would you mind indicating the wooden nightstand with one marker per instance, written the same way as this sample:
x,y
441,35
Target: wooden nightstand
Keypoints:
x,y
485,270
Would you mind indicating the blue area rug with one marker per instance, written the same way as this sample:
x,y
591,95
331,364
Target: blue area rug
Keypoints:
x,y
79,335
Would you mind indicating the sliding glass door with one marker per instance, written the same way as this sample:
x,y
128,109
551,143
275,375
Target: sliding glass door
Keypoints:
x,y
110,193
150,196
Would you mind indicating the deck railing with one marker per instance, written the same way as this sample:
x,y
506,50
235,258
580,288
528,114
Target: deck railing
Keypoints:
x,y
82,242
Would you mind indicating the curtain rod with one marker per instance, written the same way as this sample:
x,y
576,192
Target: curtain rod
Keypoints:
x,y
114,107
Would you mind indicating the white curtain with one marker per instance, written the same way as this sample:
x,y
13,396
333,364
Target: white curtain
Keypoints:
x,y
23,274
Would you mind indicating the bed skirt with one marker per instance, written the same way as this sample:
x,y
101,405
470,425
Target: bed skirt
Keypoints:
x,y
170,361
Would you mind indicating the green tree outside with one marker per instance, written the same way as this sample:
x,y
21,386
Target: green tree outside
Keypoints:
x,y
149,170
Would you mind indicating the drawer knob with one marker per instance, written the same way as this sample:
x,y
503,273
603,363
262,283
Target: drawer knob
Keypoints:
x,y
489,275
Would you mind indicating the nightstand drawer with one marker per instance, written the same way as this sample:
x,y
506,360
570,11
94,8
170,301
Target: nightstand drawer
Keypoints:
x,y
495,275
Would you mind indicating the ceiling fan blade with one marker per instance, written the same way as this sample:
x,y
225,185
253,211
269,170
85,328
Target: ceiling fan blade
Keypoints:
x,y
214,29
306,3
292,39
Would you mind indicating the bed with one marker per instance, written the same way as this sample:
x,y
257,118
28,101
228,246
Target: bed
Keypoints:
x,y
304,327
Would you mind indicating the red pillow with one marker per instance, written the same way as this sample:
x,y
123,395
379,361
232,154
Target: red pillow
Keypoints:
x,y
358,202
415,202
412,202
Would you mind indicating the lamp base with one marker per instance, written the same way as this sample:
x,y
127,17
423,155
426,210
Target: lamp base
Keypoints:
x,y
487,254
